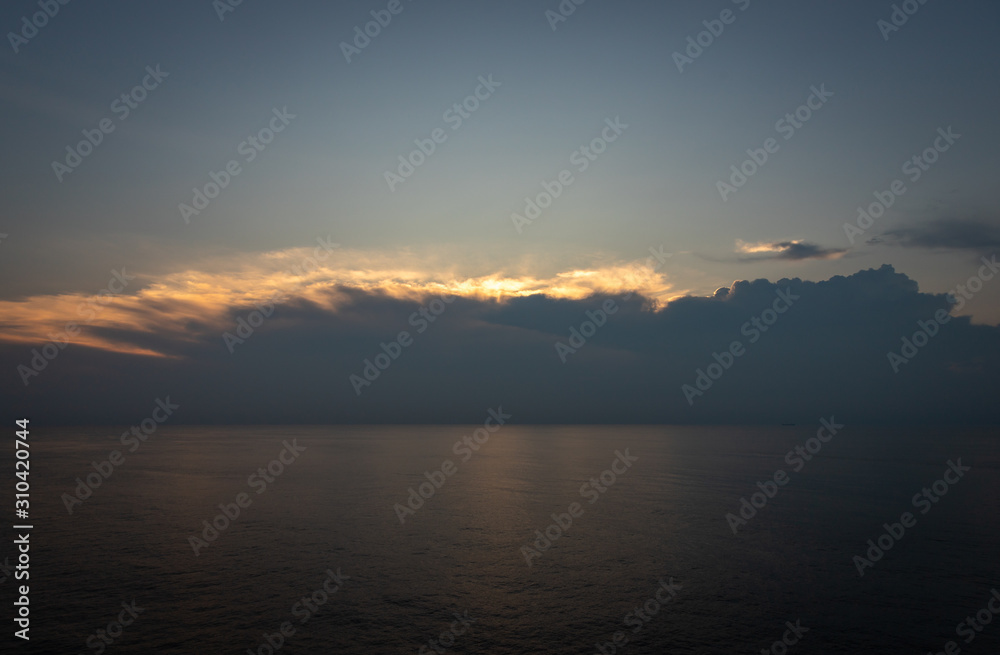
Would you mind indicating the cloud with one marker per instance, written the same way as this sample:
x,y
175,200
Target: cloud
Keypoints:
x,y
826,355
795,250
946,233
208,296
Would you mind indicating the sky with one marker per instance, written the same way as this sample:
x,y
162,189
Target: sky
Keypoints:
x,y
529,160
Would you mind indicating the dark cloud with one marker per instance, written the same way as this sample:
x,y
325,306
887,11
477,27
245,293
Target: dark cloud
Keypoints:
x,y
781,250
801,250
952,234
796,251
827,354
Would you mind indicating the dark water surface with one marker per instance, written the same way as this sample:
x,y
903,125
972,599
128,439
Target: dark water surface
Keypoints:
x,y
664,517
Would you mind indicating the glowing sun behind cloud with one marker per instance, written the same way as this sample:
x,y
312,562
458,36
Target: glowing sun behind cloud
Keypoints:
x,y
175,306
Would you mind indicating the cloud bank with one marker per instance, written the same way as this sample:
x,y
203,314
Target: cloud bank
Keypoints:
x,y
825,353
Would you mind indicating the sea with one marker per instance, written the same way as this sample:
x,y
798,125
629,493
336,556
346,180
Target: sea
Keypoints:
x,y
502,539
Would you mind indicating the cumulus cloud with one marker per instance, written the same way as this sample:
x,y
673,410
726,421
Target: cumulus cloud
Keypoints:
x,y
825,355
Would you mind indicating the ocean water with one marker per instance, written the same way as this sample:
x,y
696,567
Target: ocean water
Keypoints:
x,y
657,530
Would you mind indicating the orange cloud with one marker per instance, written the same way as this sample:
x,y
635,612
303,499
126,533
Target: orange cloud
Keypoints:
x,y
181,306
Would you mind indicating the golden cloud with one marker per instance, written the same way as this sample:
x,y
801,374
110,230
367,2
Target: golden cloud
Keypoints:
x,y
180,306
